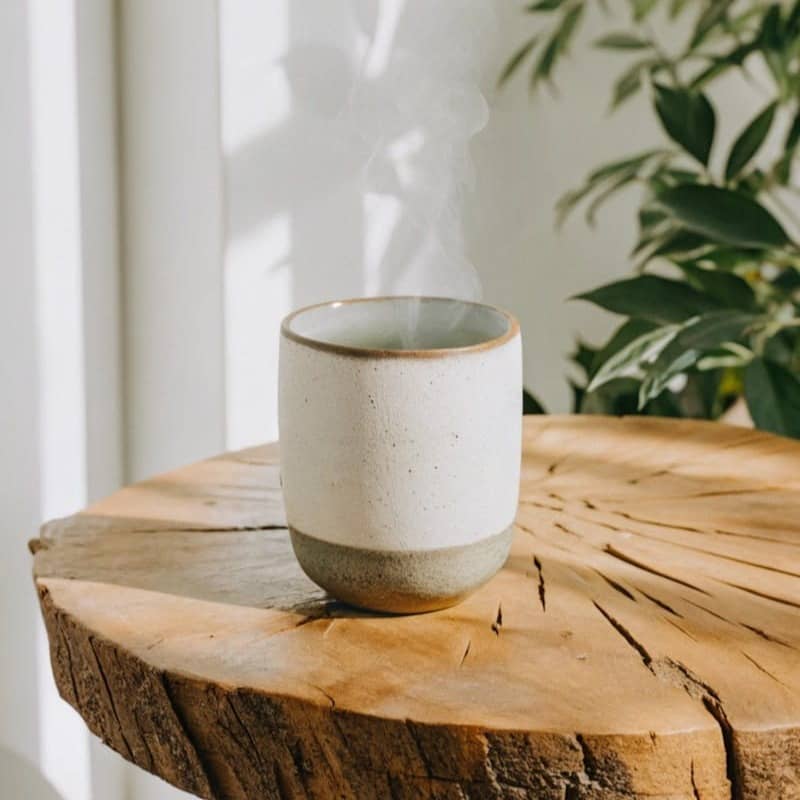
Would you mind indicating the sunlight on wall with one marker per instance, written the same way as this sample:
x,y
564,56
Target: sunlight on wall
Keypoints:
x,y
255,101
64,743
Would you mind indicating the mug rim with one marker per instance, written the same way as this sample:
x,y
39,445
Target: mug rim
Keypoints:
x,y
375,352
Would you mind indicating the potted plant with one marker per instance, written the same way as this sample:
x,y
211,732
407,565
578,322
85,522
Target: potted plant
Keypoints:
x,y
711,309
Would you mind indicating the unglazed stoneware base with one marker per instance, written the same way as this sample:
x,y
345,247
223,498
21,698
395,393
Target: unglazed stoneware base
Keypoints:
x,y
400,581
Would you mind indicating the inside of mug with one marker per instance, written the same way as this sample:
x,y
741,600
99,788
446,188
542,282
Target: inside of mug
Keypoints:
x,y
401,323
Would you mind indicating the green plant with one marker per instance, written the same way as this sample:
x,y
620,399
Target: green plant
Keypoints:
x,y
711,311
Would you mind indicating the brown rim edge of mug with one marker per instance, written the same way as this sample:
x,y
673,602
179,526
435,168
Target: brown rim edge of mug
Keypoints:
x,y
370,352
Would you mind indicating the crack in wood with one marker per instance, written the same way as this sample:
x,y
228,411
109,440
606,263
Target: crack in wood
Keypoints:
x,y
562,527
198,529
110,696
466,653
542,599
762,668
230,701
705,551
589,777
423,756
618,554
283,783
617,587
307,620
205,775
626,635
707,610
551,470
328,696
695,790
66,648
657,474
767,636
498,622
733,767
660,603
678,627
764,595
676,673
754,538
656,523
725,557
538,504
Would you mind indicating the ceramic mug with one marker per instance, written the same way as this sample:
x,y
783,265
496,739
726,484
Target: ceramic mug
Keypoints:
x,y
400,432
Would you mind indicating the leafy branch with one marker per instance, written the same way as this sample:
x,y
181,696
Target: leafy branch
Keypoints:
x,y
721,319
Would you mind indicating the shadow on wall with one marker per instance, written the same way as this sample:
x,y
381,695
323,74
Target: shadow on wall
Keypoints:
x,y
346,130
370,160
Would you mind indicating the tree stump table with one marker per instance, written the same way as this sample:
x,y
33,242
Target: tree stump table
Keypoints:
x,y
642,641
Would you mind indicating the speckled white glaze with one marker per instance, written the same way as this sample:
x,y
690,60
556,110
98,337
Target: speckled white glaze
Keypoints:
x,y
400,450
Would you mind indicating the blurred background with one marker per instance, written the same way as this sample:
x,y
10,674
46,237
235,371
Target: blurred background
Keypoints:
x,y
177,175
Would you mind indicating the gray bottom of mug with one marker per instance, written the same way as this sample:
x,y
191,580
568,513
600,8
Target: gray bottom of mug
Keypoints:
x,y
400,581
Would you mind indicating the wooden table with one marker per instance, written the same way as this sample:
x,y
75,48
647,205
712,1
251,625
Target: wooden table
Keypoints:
x,y
643,639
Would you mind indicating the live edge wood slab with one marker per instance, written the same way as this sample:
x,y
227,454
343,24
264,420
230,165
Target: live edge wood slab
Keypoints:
x,y
643,640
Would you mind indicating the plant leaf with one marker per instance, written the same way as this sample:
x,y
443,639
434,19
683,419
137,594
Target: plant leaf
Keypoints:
x,y
557,45
651,297
627,84
594,206
793,21
771,37
784,168
731,290
530,405
543,67
621,40
680,241
583,356
617,397
627,361
516,60
695,337
633,163
544,5
721,64
773,397
615,169
655,381
713,14
728,356
676,8
629,330
642,8
749,141
688,118
723,216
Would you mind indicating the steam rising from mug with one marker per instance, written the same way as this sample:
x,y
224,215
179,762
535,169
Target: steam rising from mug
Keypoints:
x,y
403,104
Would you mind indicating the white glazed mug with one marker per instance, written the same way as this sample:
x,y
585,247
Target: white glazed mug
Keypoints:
x,y
400,432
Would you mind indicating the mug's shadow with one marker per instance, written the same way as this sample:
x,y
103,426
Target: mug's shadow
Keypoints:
x,y
253,567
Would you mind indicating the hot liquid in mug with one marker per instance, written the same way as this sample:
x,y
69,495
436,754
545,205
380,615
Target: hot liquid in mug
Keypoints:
x,y
400,433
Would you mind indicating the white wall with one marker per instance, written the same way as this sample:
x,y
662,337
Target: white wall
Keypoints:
x,y
170,170
19,454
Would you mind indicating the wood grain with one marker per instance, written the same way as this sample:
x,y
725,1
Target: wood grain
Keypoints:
x,y
642,641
